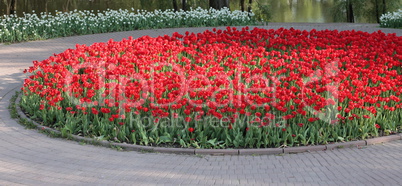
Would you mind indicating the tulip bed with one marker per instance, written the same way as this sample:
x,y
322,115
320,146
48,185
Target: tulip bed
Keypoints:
x,y
233,88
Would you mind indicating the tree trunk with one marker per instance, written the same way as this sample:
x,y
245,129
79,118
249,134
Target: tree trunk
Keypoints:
x,y
13,7
66,6
175,7
242,5
218,4
349,12
384,7
7,7
46,2
184,5
377,11
249,5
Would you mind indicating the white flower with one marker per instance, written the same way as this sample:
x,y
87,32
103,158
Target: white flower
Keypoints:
x,y
392,15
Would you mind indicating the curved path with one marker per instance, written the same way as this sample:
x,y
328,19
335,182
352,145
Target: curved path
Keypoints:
x,y
28,157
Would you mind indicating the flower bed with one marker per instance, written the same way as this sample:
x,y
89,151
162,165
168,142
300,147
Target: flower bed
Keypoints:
x,y
46,25
392,19
223,88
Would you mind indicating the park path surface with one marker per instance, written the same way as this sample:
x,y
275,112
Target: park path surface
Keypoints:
x,y
28,157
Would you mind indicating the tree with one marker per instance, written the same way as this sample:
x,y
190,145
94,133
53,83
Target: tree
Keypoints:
x,y
46,5
242,5
184,4
218,4
175,7
377,11
380,8
349,12
66,6
11,6
249,5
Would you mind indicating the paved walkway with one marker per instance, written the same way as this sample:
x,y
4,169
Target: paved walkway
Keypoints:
x,y
30,158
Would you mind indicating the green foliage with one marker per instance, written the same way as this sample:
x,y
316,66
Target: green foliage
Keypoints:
x,y
262,11
363,10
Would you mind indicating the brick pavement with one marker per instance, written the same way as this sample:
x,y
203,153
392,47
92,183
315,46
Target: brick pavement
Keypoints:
x,y
31,158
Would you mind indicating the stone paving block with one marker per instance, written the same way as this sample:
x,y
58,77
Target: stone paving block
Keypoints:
x,y
21,149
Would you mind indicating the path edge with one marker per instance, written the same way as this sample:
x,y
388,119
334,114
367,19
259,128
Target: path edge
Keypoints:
x,y
193,151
